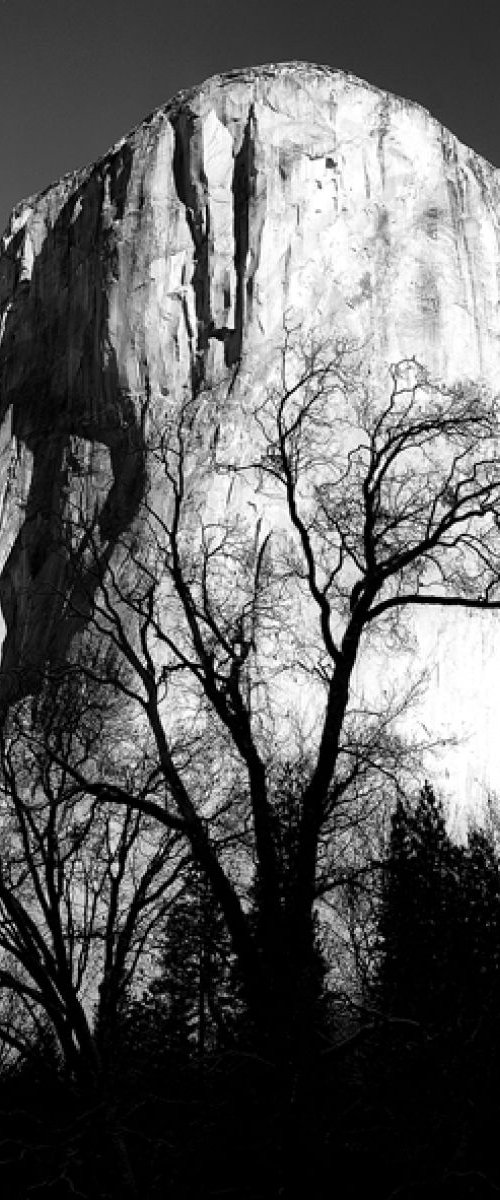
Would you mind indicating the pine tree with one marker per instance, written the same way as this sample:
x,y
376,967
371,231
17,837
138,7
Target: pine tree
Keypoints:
x,y
439,987
478,938
418,911
192,991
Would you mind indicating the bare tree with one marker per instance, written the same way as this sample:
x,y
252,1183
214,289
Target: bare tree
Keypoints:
x,y
266,568
83,892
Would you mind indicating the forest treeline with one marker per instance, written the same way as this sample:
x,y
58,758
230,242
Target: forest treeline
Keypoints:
x,y
396,1092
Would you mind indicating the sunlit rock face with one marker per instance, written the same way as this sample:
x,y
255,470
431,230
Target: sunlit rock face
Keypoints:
x,y
170,262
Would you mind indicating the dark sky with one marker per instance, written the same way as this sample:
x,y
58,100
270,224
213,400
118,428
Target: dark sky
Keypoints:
x,y
77,74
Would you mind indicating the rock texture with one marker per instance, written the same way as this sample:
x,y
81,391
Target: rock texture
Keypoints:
x,y
158,268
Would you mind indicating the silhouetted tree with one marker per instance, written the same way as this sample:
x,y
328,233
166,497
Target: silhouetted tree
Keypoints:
x,y
193,987
419,911
437,996
81,891
389,500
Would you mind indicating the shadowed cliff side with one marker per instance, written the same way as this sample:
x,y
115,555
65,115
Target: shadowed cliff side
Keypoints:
x,y
70,417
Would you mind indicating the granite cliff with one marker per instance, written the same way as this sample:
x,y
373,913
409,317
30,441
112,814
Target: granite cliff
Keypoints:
x,y
170,262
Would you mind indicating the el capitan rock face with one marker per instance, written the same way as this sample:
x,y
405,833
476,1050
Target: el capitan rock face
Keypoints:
x,y
170,261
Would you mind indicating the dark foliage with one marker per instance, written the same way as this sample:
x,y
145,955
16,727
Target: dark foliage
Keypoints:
x,y
404,1101
433,1067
